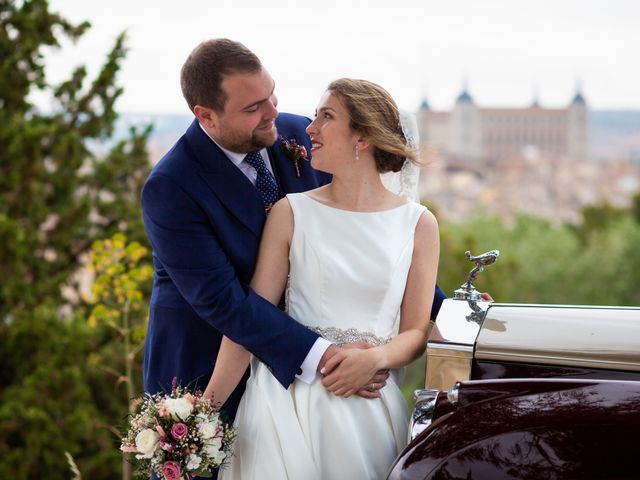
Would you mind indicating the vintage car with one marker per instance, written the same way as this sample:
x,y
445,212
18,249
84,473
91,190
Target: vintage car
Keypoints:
x,y
526,392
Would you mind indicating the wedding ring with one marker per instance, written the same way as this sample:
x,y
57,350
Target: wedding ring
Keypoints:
x,y
373,387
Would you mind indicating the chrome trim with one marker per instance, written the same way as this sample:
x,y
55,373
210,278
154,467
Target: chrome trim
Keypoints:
x,y
585,336
453,395
423,410
448,346
452,326
451,343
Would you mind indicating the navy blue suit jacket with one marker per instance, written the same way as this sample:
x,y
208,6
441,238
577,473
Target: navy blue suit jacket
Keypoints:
x,y
204,219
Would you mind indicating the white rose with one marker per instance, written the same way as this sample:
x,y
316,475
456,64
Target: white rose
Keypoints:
x,y
193,462
212,446
179,408
202,417
207,430
147,442
218,457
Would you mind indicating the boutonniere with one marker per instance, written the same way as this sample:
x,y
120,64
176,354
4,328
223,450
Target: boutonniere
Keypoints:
x,y
294,151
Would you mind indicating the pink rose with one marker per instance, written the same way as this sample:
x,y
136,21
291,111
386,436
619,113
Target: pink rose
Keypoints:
x,y
179,431
171,470
303,152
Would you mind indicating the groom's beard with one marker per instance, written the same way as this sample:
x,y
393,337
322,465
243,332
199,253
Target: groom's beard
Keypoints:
x,y
240,142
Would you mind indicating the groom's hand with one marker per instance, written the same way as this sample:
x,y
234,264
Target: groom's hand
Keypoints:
x,y
337,350
328,353
373,387
486,297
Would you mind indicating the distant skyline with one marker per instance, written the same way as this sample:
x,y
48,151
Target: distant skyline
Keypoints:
x,y
506,52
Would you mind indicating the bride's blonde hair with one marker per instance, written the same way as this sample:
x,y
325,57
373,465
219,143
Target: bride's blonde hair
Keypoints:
x,y
374,113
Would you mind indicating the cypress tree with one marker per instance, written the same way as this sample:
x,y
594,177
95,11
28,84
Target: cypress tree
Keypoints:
x,y
57,195
61,190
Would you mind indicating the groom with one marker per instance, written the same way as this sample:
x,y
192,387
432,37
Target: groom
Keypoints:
x,y
204,206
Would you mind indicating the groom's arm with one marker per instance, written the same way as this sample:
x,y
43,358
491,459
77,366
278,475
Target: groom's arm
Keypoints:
x,y
438,298
183,242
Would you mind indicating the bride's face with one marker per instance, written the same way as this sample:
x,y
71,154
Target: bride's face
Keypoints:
x,y
333,142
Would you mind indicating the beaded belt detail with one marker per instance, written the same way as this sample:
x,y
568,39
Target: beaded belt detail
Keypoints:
x,y
341,336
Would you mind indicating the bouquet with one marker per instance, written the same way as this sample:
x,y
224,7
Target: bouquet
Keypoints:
x,y
178,435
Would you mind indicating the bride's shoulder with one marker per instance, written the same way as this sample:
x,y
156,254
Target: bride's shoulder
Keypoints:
x,y
281,212
426,226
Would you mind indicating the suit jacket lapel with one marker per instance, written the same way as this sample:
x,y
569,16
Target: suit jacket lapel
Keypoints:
x,y
226,180
285,171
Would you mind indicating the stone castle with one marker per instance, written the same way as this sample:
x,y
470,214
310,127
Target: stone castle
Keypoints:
x,y
508,160
473,132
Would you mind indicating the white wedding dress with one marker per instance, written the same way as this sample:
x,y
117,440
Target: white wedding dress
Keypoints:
x,y
347,279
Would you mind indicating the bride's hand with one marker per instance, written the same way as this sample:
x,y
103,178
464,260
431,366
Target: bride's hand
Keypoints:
x,y
350,370
375,383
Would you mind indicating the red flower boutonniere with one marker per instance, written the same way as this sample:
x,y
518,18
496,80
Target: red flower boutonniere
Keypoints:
x,y
294,151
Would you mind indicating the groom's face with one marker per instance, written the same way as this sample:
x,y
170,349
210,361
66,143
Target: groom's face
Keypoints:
x,y
247,123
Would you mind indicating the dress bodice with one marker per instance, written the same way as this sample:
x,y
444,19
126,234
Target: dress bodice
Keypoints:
x,y
348,270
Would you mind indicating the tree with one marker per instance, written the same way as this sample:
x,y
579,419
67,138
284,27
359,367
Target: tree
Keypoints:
x,y
56,195
119,303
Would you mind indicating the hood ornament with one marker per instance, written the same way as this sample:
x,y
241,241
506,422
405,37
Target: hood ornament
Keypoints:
x,y
467,291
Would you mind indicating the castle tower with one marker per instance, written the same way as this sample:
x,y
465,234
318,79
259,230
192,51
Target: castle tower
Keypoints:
x,y
577,127
465,129
422,117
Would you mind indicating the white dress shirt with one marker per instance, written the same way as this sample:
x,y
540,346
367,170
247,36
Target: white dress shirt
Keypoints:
x,y
307,371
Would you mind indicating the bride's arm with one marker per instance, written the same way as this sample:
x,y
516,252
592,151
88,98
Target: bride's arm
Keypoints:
x,y
269,281
356,367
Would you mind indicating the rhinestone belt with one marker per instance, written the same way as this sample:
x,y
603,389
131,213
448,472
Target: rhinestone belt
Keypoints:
x,y
341,336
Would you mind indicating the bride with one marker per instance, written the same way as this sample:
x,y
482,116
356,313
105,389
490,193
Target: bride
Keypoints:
x,y
358,263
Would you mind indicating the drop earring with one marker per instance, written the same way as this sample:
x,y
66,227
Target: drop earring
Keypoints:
x,y
357,153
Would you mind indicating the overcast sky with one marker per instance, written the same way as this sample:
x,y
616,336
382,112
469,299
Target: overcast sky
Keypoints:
x,y
505,50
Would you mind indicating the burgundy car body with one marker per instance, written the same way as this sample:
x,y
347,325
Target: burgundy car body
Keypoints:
x,y
528,392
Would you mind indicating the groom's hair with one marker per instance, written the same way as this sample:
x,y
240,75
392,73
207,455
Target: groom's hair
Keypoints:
x,y
204,70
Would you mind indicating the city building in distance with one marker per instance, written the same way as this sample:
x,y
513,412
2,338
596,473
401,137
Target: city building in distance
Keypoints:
x,y
472,131
535,160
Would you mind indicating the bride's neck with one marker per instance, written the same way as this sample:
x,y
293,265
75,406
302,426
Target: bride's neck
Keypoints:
x,y
357,192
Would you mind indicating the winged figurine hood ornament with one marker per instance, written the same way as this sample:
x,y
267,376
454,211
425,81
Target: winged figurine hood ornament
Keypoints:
x,y
467,291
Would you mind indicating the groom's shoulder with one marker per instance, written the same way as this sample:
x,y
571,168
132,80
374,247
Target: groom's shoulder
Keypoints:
x,y
180,157
291,123
173,161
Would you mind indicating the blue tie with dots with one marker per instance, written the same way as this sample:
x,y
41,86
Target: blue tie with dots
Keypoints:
x,y
265,182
